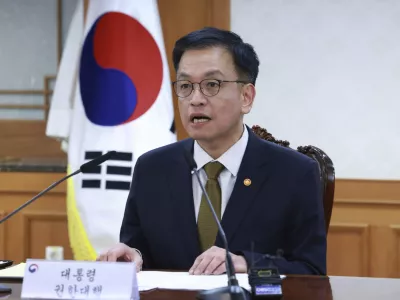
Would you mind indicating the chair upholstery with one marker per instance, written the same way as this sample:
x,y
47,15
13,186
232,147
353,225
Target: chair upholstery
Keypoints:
x,y
327,171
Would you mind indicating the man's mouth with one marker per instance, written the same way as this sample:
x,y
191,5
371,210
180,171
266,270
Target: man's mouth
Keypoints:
x,y
200,119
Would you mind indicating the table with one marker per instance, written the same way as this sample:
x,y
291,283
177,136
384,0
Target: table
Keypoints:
x,y
294,288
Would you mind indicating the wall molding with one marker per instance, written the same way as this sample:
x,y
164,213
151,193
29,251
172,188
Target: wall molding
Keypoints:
x,y
28,218
372,190
396,231
363,230
367,201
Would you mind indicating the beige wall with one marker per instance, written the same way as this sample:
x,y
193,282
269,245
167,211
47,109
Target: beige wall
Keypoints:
x,y
329,77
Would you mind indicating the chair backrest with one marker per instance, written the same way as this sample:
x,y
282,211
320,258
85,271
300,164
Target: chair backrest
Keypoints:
x,y
327,171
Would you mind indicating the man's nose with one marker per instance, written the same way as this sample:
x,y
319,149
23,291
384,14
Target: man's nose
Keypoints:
x,y
198,97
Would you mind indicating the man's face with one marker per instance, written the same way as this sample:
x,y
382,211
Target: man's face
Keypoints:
x,y
209,118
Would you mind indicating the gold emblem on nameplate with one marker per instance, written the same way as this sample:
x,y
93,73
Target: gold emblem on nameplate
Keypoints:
x,y
247,182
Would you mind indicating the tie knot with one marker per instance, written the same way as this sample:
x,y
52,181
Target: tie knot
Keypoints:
x,y
213,169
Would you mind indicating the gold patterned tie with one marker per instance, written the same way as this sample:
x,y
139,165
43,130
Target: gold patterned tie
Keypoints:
x,y
206,225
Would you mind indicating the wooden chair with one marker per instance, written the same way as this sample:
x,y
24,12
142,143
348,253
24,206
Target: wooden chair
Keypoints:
x,y
327,171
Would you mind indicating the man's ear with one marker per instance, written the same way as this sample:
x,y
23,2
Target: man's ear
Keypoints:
x,y
248,95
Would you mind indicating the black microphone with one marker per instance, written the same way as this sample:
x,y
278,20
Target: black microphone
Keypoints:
x,y
97,161
83,168
265,282
234,290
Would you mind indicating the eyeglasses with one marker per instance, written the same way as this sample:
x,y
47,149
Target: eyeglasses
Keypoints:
x,y
209,87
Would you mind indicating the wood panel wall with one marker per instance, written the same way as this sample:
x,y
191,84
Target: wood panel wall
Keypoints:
x,y
363,239
43,223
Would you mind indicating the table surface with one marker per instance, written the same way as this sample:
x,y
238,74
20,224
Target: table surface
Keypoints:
x,y
294,288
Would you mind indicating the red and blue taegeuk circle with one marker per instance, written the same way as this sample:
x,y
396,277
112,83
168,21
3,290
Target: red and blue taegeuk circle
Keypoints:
x,y
121,70
33,268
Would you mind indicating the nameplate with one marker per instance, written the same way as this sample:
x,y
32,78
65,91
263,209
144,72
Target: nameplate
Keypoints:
x,y
44,279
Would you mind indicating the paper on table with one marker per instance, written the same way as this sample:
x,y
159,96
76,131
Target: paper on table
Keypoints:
x,y
16,271
148,280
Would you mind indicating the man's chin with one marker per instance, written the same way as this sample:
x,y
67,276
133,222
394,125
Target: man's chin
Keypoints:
x,y
199,136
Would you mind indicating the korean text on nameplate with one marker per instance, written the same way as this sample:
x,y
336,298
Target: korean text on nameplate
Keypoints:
x,y
79,280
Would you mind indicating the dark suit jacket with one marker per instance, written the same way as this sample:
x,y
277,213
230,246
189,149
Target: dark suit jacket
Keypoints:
x,y
281,210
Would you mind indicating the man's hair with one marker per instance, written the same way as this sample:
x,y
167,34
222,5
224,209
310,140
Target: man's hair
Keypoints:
x,y
243,54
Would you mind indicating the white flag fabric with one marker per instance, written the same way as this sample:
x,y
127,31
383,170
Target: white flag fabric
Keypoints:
x,y
59,118
122,102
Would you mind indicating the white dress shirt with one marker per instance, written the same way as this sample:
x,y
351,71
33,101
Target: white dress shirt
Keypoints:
x,y
231,159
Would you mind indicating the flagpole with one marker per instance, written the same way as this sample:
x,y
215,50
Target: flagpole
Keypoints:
x,y
85,9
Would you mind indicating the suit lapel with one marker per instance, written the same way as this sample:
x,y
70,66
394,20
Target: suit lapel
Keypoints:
x,y
252,168
182,202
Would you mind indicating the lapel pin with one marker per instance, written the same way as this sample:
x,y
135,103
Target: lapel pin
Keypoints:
x,y
247,182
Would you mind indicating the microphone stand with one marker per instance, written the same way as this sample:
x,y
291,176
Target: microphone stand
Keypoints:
x,y
233,291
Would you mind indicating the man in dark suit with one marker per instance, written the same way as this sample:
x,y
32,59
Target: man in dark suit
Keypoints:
x,y
266,196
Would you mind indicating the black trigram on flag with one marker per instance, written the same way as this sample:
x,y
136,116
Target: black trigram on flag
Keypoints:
x,y
114,174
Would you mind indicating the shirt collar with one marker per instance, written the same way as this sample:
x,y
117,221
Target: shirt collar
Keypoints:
x,y
231,159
